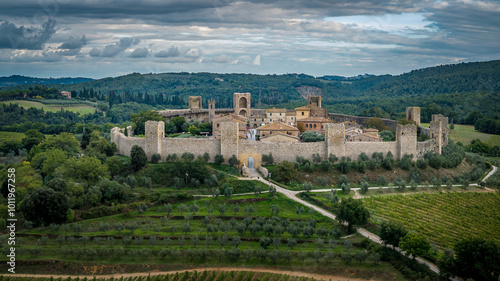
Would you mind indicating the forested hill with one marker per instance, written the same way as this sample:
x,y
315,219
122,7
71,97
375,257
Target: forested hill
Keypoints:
x,y
453,90
16,80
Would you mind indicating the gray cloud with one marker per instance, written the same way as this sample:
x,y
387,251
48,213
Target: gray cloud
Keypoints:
x,y
113,50
171,52
31,38
140,53
74,43
222,59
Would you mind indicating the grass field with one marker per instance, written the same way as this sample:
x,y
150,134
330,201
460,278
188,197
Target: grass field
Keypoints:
x,y
84,109
466,133
11,136
443,218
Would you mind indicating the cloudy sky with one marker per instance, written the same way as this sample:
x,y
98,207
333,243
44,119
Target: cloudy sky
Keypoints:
x,y
96,39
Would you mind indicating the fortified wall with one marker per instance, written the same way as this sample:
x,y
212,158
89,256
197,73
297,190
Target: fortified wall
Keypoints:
x,y
230,144
339,118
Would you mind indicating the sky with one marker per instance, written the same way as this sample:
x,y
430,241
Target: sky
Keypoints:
x,y
96,39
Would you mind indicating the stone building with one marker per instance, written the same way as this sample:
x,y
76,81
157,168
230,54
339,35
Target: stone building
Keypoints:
x,y
66,94
216,124
242,104
278,127
316,124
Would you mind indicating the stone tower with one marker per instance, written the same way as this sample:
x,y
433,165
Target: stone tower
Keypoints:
x,y
154,135
413,114
211,110
242,104
439,132
229,135
335,139
314,100
195,103
406,141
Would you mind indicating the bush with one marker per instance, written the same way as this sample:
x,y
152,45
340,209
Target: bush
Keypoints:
x,y
405,163
155,158
422,163
312,137
219,159
268,159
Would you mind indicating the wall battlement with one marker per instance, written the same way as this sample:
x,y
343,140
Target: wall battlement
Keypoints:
x,y
230,144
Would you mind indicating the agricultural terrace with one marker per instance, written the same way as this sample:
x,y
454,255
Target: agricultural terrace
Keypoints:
x,y
246,230
444,218
186,275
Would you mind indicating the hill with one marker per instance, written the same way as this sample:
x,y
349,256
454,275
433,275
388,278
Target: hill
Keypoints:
x,y
16,80
452,90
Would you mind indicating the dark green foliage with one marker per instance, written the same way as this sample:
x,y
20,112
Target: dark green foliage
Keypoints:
x,y
219,159
45,206
474,258
285,171
312,136
268,159
387,135
391,232
352,212
422,163
138,157
155,158
233,161
388,162
405,163
415,244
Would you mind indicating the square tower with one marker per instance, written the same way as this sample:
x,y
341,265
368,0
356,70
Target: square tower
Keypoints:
x,y
413,114
314,100
211,110
242,104
195,103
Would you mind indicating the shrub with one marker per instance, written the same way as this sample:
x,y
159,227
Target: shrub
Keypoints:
x,y
155,158
138,157
219,159
422,163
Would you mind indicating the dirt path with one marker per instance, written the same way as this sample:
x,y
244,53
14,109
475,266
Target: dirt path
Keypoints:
x,y
199,270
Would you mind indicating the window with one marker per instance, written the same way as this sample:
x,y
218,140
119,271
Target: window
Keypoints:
x,y
255,119
217,125
262,119
302,112
270,114
280,114
314,126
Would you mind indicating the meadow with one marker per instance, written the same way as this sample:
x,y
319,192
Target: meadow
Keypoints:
x,y
466,133
54,106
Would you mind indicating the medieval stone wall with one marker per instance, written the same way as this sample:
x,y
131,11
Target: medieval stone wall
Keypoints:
x,y
339,118
195,146
354,149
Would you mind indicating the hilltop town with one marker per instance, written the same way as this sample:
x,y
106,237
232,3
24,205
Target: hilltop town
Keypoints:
x,y
249,133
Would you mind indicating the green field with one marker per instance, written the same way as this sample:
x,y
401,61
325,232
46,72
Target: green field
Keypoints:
x,y
443,218
53,107
466,133
207,237
11,136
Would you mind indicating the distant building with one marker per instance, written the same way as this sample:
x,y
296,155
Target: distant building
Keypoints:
x,y
279,137
66,94
278,127
216,124
316,124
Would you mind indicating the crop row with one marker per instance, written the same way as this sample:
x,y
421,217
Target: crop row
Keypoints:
x,y
183,276
443,218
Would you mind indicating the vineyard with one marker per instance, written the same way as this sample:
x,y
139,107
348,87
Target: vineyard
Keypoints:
x,y
444,218
185,276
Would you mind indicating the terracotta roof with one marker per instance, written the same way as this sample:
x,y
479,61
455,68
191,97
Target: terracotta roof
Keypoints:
x,y
279,134
368,135
306,108
315,119
276,110
232,117
276,126
291,113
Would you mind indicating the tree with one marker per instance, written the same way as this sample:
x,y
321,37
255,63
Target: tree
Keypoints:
x,y
414,244
155,158
115,165
139,119
86,168
352,212
307,186
377,123
268,159
332,158
285,171
138,157
264,242
233,161
64,141
45,206
363,187
391,232
475,258
219,159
